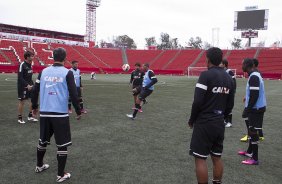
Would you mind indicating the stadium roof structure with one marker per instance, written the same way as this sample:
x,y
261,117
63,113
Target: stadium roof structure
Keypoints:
x,y
6,28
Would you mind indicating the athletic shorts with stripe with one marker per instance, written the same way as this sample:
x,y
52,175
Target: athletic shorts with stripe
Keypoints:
x,y
24,94
255,120
59,126
207,139
144,94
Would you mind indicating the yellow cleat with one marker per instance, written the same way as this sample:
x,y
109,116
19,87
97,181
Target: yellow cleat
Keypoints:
x,y
244,139
261,138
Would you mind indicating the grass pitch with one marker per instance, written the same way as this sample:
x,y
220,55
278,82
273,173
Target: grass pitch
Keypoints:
x,y
108,148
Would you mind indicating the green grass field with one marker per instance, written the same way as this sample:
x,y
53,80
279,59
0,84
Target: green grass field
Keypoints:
x,y
108,148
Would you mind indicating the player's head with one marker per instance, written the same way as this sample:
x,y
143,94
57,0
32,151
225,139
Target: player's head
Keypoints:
x,y
59,54
74,64
28,56
256,62
214,56
247,65
137,65
146,67
224,64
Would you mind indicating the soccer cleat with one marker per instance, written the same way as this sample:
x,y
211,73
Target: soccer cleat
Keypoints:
x,y
244,139
261,138
42,168
130,116
84,111
250,162
140,110
32,119
21,121
70,111
228,125
244,153
60,179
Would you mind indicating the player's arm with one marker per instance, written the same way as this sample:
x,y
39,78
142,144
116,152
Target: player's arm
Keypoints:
x,y
80,81
132,77
199,97
230,102
254,84
35,94
153,78
73,92
234,80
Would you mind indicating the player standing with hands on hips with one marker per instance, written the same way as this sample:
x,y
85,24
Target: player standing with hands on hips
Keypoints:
x,y
213,100
25,84
55,84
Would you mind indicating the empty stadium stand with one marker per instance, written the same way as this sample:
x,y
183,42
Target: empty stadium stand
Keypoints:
x,y
111,60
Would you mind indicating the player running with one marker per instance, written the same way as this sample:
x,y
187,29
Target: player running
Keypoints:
x,y
147,89
136,80
25,84
213,100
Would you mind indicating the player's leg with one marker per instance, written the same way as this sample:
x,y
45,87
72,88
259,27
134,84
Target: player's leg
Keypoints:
x,y
217,169
137,107
62,135
245,138
20,111
201,170
30,116
228,121
200,148
81,100
254,118
260,129
143,94
46,132
69,106
217,134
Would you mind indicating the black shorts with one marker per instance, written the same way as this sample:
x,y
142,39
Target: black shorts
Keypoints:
x,y
59,126
24,94
144,94
137,90
79,92
255,120
207,138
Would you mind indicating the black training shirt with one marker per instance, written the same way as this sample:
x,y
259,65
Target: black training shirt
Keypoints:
x,y
214,96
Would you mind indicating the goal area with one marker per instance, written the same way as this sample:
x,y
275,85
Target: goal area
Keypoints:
x,y
196,71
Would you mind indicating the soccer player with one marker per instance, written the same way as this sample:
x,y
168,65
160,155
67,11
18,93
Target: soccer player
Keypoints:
x,y
255,106
77,79
55,84
224,64
213,100
25,84
260,131
136,80
93,76
147,89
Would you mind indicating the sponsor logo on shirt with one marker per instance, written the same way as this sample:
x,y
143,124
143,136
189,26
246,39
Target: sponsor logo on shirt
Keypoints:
x,y
222,90
53,79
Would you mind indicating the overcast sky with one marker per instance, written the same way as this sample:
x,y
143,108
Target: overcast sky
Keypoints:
x,y
139,19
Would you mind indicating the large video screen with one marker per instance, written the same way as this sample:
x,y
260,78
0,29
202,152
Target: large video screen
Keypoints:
x,y
255,20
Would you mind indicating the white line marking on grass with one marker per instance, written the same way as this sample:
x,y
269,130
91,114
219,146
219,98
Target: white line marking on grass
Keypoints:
x,y
7,91
11,79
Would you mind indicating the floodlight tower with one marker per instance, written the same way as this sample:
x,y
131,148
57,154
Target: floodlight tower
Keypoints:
x,y
91,6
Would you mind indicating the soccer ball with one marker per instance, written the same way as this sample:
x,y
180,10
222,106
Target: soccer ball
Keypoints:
x,y
125,67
